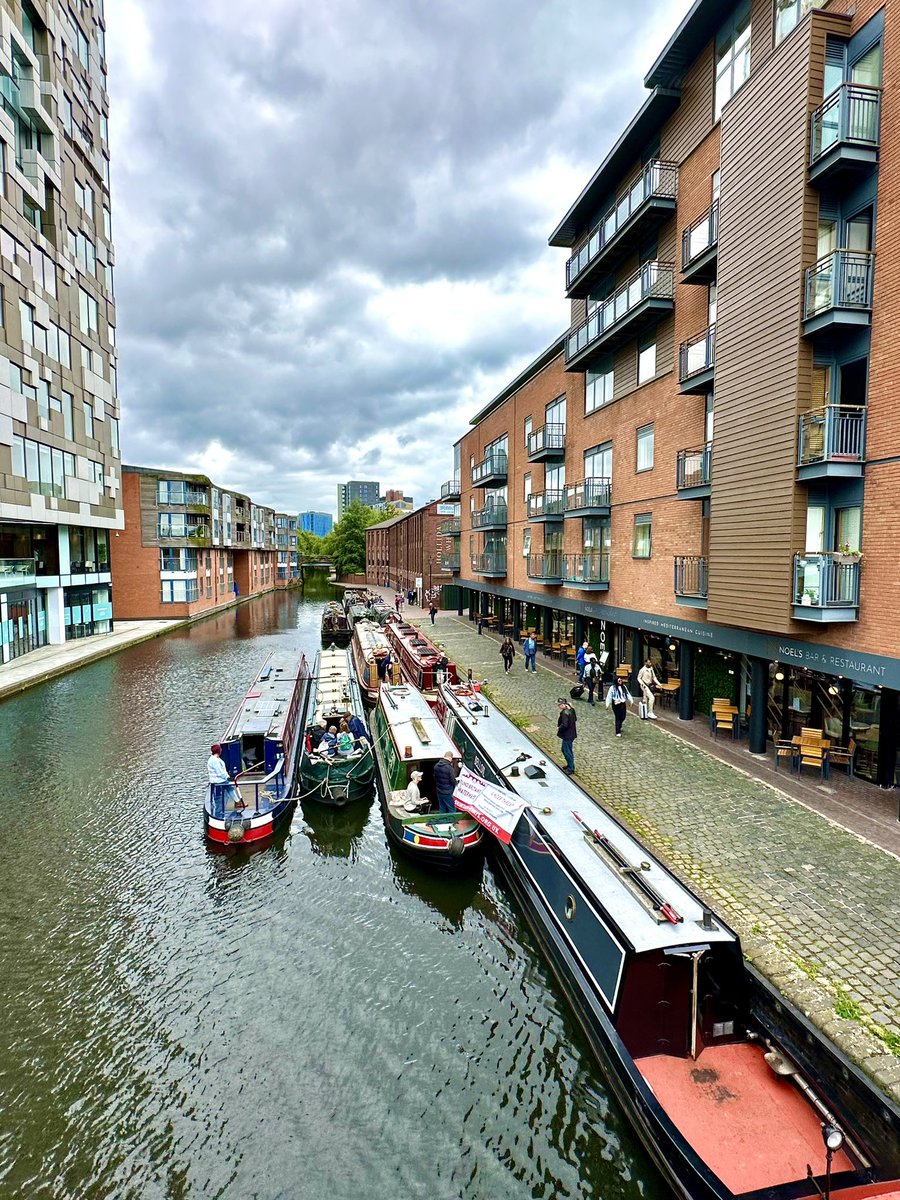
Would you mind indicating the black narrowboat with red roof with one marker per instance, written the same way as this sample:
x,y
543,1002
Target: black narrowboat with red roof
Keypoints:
x,y
421,663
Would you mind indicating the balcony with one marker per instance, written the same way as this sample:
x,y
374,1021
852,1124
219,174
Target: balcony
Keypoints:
x,y
693,473
451,527
700,248
450,490
546,568
492,563
691,580
839,292
491,471
17,572
546,506
450,563
588,571
697,363
589,498
642,302
826,587
642,207
492,516
832,442
844,133
547,443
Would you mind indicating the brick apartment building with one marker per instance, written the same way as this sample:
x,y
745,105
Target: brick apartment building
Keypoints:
x,y
409,547
704,468
60,500
189,547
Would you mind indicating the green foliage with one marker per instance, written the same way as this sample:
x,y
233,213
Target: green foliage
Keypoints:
x,y
310,546
346,544
711,678
845,1006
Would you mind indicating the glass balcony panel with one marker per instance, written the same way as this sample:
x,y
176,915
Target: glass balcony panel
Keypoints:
x,y
828,580
851,114
654,280
589,493
17,571
550,503
693,467
490,515
590,567
842,279
835,432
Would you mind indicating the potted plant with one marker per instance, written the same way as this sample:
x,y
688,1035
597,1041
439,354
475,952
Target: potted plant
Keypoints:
x,y
844,554
808,598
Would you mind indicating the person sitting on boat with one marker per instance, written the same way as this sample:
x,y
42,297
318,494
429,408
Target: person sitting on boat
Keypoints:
x,y
358,729
345,739
328,744
316,734
220,781
414,801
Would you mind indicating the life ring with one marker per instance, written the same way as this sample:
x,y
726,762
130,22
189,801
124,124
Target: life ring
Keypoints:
x,y
462,690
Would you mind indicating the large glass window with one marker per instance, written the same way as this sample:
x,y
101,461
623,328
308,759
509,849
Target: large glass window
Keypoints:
x,y
598,387
789,12
645,448
732,56
646,363
642,542
598,462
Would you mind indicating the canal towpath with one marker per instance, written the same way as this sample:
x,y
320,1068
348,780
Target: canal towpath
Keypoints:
x,y
815,903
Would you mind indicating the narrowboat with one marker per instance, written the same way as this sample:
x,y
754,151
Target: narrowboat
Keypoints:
x,y
334,697
335,625
260,748
409,737
421,663
369,648
732,1090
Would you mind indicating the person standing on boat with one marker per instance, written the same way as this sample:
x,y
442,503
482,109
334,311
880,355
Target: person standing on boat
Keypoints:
x,y
618,698
566,731
507,653
445,783
529,649
384,667
220,780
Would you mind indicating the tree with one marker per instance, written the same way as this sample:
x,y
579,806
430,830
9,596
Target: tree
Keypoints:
x,y
346,544
310,546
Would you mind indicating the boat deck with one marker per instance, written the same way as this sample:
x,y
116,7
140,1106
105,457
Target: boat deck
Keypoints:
x,y
751,1127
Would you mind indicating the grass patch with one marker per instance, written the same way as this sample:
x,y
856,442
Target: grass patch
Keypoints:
x,y
810,969
890,1039
756,929
845,1006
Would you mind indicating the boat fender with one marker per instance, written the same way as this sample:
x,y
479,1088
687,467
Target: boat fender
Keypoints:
x,y
235,829
456,847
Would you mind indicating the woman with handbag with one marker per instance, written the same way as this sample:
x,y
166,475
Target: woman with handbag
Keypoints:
x,y
618,698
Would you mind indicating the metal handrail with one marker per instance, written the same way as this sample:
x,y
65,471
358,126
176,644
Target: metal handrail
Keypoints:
x,y
653,281
594,492
852,114
828,579
549,437
488,563
691,575
547,566
707,227
693,468
842,279
450,527
450,488
495,463
833,431
546,503
491,514
657,179
450,562
697,354
591,566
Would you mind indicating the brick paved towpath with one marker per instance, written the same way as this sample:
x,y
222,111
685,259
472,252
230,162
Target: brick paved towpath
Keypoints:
x,y
817,907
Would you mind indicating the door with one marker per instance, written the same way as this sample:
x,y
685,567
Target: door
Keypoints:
x,y
856,284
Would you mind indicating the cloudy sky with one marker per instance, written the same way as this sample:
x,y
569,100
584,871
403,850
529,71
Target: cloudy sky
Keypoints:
x,y
331,221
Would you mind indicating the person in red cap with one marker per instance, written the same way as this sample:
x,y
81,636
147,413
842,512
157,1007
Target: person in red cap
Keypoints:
x,y
220,780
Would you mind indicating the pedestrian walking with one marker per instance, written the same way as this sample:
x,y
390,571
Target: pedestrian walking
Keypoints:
x,y
529,649
648,681
410,598
507,653
432,612
566,731
591,674
618,698
445,782
579,659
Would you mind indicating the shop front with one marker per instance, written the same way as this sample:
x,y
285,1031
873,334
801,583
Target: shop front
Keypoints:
x,y
88,610
23,622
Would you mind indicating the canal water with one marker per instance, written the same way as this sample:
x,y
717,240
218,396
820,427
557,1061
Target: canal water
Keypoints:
x,y
313,1020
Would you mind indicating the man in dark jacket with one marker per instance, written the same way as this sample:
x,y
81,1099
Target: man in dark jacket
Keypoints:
x,y
566,732
445,782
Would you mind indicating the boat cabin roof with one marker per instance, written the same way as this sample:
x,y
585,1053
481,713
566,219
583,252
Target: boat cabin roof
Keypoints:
x,y
415,641
413,723
552,800
332,683
371,638
265,706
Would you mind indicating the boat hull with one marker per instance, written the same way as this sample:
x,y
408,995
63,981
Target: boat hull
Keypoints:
x,y
444,855
244,829
336,784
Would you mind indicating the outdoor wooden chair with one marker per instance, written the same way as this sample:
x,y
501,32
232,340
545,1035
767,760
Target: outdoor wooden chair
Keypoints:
x,y
723,722
812,756
843,756
784,752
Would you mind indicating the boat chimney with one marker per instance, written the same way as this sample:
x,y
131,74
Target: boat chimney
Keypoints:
x,y
707,922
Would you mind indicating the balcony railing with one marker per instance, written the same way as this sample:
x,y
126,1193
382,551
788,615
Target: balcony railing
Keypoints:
x,y
654,281
492,466
588,494
549,503
17,571
590,567
697,357
850,116
547,442
657,181
492,563
700,236
840,280
833,433
450,527
692,576
693,468
546,567
491,516
167,532
829,582
450,563
450,490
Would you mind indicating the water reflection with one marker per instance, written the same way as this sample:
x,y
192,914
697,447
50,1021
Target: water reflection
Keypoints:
x,y
336,832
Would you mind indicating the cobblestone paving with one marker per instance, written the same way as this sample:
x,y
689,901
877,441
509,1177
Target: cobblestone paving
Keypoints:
x,y
817,909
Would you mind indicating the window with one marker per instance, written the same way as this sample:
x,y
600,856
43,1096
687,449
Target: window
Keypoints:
x,y
179,591
45,468
643,527
646,363
26,314
527,429
107,224
789,12
114,434
87,312
526,543
645,448
89,420
67,414
732,56
598,462
527,486
598,387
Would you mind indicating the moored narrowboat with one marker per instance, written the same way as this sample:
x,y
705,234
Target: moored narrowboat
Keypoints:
x,y
409,738
259,750
421,663
335,625
732,1090
370,648
336,763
